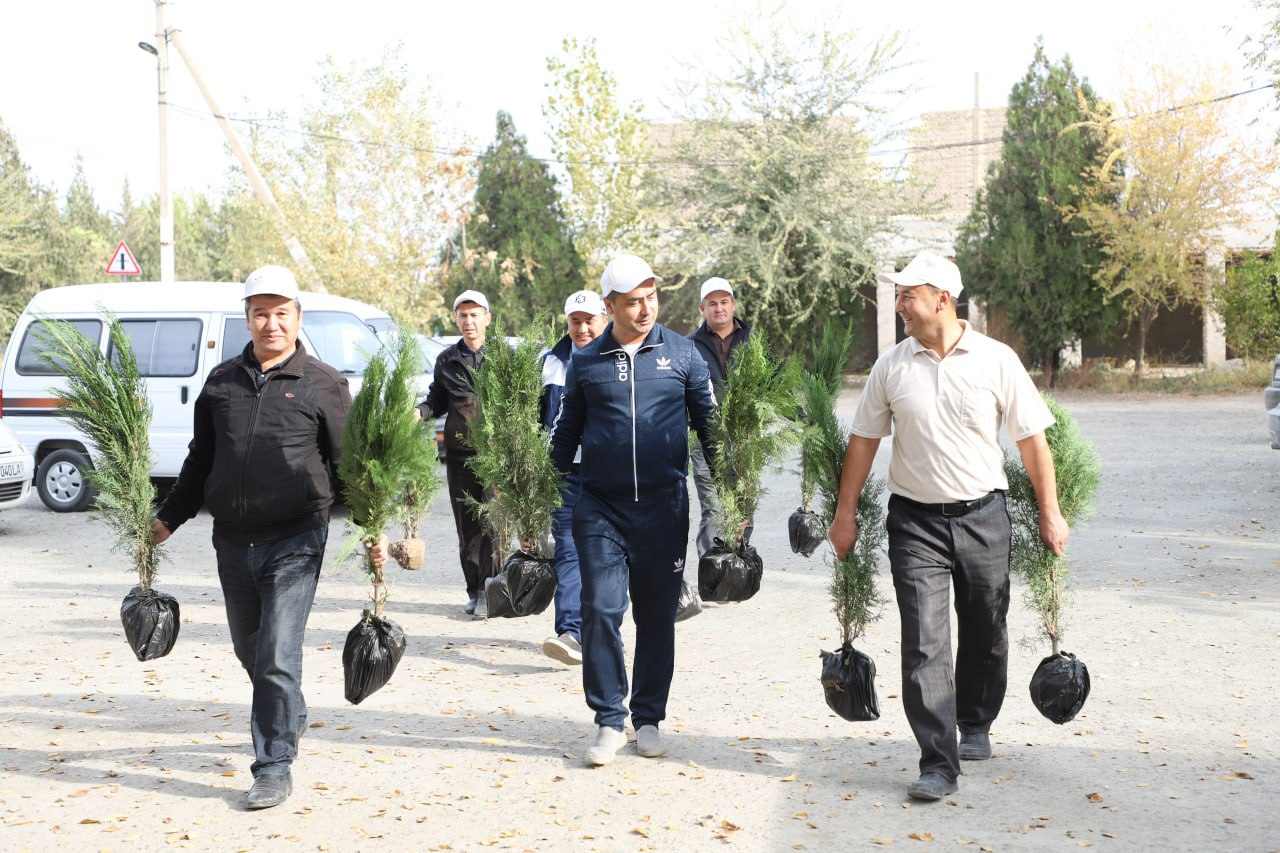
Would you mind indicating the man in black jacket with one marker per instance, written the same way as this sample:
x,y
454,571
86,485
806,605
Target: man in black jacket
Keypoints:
x,y
453,394
263,461
715,339
629,398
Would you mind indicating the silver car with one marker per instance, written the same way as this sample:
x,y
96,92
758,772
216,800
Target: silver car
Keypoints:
x,y
17,467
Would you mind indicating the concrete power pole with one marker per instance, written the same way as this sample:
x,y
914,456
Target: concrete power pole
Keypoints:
x,y
260,188
167,263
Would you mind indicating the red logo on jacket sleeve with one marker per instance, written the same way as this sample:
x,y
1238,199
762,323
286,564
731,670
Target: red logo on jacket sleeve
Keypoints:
x,y
289,394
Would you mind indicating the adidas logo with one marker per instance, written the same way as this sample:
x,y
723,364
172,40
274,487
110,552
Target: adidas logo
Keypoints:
x,y
665,364
679,562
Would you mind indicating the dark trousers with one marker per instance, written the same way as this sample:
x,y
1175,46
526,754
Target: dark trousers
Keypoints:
x,y
268,591
475,543
635,547
928,553
568,573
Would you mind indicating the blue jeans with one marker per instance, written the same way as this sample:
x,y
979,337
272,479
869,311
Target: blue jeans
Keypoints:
x,y
568,576
268,590
635,547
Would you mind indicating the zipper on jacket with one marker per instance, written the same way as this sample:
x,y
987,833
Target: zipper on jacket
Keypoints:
x,y
248,444
635,467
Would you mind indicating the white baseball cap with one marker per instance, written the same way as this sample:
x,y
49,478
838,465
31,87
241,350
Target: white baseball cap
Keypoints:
x,y
625,273
927,268
713,284
471,296
586,301
271,280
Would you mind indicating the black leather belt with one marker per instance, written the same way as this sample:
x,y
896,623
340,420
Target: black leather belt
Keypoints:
x,y
957,508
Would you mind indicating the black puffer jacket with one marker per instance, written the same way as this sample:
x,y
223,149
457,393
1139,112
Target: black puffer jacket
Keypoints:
x,y
265,462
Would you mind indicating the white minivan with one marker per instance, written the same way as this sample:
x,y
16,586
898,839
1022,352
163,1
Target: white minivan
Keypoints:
x,y
179,332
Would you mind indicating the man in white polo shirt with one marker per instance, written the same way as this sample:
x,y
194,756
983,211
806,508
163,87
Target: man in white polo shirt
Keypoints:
x,y
943,393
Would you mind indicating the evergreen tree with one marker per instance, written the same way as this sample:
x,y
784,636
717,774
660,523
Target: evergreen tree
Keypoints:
x,y
1017,249
86,231
28,228
517,245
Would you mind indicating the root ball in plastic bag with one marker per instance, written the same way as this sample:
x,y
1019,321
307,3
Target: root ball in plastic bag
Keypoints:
x,y
370,656
151,622
1059,687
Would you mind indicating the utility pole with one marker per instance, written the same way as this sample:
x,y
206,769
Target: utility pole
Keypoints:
x,y
167,263
260,188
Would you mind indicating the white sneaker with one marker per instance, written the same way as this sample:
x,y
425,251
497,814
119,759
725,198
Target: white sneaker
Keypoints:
x,y
649,742
563,648
608,742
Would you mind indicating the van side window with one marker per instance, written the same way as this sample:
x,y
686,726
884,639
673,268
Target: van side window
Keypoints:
x,y
163,347
235,334
29,362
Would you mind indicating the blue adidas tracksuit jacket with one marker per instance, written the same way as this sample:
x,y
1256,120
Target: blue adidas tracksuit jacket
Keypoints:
x,y
632,415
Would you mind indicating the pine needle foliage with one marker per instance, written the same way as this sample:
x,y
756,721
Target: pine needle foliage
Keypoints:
x,y
512,459
752,428
380,441
106,399
422,481
854,596
1078,472
828,356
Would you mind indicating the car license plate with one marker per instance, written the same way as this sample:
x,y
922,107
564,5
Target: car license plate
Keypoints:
x,y
12,469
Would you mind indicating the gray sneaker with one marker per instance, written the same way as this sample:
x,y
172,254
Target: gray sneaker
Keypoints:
x,y
649,742
931,786
563,648
482,604
975,746
470,609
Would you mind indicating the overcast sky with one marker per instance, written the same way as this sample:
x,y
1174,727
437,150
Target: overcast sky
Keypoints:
x,y
73,81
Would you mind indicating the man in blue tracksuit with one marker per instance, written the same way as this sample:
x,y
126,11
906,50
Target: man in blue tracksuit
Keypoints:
x,y
630,397
584,313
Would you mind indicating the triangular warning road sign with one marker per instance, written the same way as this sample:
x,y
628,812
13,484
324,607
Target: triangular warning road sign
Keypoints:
x,y
122,262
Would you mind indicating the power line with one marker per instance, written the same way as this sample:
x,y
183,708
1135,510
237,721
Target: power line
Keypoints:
x,y
669,161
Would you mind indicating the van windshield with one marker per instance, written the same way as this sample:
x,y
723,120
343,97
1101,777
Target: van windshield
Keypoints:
x,y
340,340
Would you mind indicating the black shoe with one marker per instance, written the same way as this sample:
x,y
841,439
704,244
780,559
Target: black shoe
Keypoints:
x,y
269,790
975,746
931,786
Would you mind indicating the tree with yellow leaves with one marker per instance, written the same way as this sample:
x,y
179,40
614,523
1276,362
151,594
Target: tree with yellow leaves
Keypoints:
x,y
1177,179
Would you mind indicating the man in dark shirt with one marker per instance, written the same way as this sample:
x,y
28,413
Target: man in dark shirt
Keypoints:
x,y
453,394
715,339
267,431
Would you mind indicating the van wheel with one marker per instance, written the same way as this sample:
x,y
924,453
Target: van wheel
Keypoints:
x,y
62,483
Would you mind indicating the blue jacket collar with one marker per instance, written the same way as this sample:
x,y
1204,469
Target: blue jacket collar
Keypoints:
x,y
655,338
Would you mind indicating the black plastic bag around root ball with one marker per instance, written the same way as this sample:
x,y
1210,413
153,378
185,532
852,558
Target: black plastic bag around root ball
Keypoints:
x,y
1059,687
151,621
849,682
526,586
370,656
689,604
729,575
807,532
